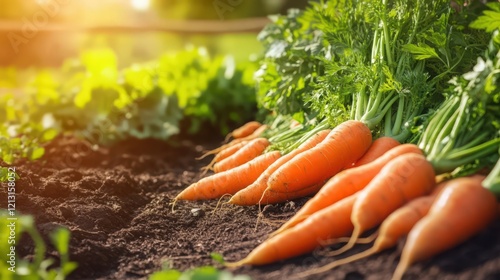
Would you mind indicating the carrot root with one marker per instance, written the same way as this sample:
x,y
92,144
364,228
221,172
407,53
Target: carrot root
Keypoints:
x,y
352,241
334,264
460,210
347,183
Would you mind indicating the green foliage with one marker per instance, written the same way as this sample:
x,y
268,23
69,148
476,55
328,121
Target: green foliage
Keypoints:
x,y
6,173
463,134
490,19
292,62
228,97
91,98
492,181
380,62
24,140
199,273
39,267
217,257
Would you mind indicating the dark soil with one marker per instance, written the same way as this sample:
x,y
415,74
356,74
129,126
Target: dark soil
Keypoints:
x,y
116,203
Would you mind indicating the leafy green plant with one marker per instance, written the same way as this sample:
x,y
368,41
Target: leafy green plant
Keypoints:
x,y
91,98
39,267
463,135
5,174
381,62
465,132
23,135
199,273
229,97
293,61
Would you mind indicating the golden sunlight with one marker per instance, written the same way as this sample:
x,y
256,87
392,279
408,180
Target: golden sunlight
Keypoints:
x,y
140,5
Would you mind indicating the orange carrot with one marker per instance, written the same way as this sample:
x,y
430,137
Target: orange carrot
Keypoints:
x,y
256,134
461,210
399,223
224,153
271,197
404,178
396,226
230,181
344,145
379,147
244,130
329,223
250,151
253,193
347,183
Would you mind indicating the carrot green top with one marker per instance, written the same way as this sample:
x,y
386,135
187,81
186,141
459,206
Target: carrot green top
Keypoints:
x,y
463,135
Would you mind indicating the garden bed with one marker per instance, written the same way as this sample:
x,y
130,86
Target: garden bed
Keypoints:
x,y
116,203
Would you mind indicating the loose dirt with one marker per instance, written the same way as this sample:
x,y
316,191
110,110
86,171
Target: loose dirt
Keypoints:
x,y
116,203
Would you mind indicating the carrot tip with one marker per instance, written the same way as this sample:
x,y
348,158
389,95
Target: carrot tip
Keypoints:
x,y
173,204
219,203
236,264
346,247
228,136
204,170
338,262
400,270
211,152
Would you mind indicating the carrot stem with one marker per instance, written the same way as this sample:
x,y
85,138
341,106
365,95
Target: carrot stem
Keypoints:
x,y
492,181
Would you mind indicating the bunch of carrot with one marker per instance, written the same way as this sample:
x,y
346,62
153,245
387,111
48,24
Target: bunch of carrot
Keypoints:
x,y
360,177
397,192
361,184
388,184
252,174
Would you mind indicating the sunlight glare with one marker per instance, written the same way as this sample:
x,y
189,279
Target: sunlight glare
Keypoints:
x,y
140,5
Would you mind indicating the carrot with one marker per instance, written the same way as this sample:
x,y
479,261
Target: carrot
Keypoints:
x,y
252,194
248,152
344,145
271,197
346,183
400,222
397,225
331,222
230,181
256,134
224,153
244,130
404,178
379,147
461,210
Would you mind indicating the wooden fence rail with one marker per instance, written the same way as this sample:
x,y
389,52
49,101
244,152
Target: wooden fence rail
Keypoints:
x,y
249,25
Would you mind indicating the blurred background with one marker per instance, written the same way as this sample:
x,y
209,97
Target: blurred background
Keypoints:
x,y
45,32
109,70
